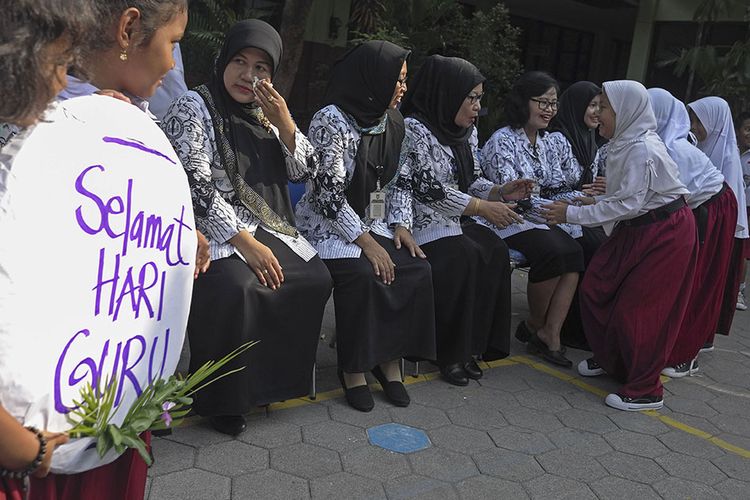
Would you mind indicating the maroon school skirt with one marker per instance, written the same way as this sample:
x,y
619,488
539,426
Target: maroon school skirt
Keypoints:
x,y
633,299
123,479
716,224
731,289
11,489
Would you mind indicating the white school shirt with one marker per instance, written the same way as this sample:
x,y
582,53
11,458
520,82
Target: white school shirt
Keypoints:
x,y
323,215
425,197
699,175
745,160
508,155
641,176
219,213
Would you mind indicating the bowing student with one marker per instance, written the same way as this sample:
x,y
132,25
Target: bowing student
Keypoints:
x,y
633,298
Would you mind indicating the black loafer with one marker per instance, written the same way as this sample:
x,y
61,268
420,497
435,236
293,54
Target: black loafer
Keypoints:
x,y
537,346
454,374
523,334
229,424
394,390
358,397
472,370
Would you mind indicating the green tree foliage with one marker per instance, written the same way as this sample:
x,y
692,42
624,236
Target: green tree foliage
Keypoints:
x,y
486,38
719,71
208,22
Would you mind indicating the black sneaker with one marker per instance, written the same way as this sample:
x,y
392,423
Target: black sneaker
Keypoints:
x,y
681,370
634,404
590,368
707,347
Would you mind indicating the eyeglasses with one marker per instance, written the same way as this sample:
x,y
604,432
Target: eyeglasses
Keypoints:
x,y
544,104
402,81
474,98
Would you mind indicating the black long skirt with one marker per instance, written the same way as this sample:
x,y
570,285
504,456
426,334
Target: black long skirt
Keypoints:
x,y
375,322
572,334
231,307
550,252
471,281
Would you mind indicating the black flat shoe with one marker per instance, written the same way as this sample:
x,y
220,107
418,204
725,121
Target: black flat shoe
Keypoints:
x,y
358,397
492,354
231,425
454,374
537,346
523,334
394,390
472,370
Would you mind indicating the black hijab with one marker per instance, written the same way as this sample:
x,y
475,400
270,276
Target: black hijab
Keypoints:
x,y
260,161
569,121
435,96
362,85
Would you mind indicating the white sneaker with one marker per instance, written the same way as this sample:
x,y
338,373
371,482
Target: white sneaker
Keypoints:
x,y
634,404
681,370
590,368
741,305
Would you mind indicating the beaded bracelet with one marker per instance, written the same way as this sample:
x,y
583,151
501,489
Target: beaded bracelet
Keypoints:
x,y
21,474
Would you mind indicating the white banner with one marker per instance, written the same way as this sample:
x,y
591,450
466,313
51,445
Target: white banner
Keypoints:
x,y
97,251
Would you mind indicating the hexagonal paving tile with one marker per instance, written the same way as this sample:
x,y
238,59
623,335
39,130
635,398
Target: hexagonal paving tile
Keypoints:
x,y
436,395
586,421
581,442
490,487
566,464
636,444
460,439
341,412
232,458
197,435
691,468
688,444
674,487
638,422
442,464
305,460
268,433
532,419
413,487
734,466
617,487
554,488
334,435
519,439
542,400
420,416
346,486
643,470
190,483
375,463
269,484
509,465
301,415
476,417
170,457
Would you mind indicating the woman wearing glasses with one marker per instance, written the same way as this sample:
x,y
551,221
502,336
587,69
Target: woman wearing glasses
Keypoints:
x,y
439,187
521,150
382,291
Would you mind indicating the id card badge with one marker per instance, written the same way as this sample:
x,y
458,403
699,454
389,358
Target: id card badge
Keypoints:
x,y
376,210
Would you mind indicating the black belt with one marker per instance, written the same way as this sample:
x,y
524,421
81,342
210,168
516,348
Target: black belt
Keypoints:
x,y
701,213
657,214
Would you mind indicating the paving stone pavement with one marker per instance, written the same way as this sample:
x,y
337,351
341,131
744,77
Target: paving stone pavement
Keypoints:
x,y
525,430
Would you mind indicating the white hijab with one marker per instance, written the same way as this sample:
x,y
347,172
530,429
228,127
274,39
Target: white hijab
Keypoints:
x,y
673,126
720,145
635,144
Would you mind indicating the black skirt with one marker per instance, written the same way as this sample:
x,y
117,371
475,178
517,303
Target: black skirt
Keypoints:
x,y
571,333
231,307
375,322
550,252
471,281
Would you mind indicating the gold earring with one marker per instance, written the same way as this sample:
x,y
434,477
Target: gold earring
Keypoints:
x,y
124,54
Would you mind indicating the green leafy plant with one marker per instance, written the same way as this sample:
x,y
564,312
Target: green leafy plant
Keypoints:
x,y
163,404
